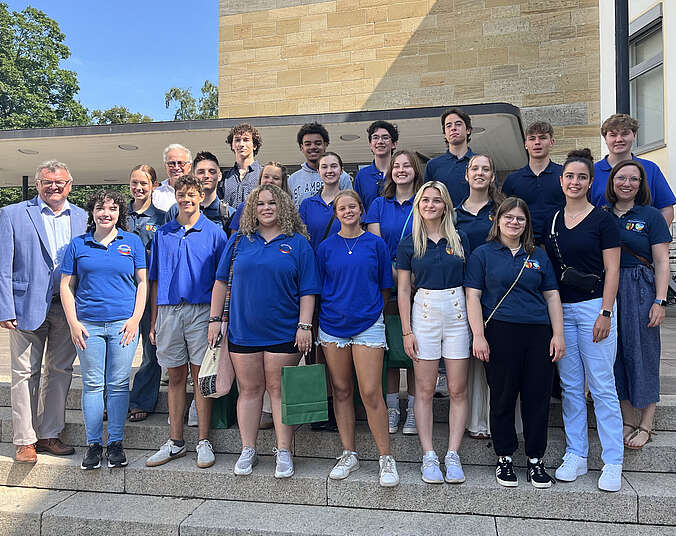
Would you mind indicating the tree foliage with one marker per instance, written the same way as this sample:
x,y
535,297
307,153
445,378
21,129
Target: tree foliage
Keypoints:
x,y
117,115
188,107
34,90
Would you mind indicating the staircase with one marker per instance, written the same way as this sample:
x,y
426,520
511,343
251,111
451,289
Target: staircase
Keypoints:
x,y
56,497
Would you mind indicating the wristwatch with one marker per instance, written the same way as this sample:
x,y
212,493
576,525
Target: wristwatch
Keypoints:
x,y
606,313
663,303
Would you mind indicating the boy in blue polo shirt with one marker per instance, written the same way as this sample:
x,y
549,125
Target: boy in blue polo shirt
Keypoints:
x,y
538,183
370,180
183,261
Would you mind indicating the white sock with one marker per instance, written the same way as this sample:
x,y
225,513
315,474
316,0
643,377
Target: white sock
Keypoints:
x,y
393,400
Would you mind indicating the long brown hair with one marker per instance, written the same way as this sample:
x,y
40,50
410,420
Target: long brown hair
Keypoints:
x,y
495,195
527,240
390,188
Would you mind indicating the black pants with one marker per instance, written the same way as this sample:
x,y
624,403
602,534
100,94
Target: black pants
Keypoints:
x,y
519,364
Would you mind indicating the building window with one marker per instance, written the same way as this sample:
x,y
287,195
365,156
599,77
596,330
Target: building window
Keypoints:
x,y
646,77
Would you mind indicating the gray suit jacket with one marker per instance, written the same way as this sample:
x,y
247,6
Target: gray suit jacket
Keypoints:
x,y
26,264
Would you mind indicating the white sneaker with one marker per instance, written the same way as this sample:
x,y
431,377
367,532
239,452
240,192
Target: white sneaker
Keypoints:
x,y
393,419
441,389
284,465
167,452
205,454
388,471
572,467
611,477
431,474
409,425
192,414
246,462
347,462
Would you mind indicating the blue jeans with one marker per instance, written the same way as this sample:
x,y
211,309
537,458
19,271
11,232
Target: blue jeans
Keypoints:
x,y
105,362
146,386
595,361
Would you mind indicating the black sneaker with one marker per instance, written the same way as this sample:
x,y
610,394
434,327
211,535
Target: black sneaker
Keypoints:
x,y
115,455
92,458
536,475
504,472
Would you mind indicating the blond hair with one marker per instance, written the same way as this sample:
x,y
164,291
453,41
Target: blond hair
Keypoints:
x,y
288,217
447,228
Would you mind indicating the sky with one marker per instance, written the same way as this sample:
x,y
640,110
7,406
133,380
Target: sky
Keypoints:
x,y
130,52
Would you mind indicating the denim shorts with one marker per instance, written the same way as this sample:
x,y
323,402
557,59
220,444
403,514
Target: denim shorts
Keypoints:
x,y
373,337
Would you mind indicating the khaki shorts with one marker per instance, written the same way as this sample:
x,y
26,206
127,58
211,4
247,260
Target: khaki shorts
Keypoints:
x,y
181,333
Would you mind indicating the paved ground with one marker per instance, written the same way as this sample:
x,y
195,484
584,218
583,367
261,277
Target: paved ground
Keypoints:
x,y
667,369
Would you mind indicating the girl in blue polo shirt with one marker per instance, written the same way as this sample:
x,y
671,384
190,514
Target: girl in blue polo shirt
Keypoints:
x,y
274,280
583,245
103,291
475,217
641,298
356,274
391,217
434,254
517,322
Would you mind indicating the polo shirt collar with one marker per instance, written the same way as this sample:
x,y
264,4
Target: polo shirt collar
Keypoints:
x,y
199,224
89,238
317,198
150,211
214,205
604,165
43,206
488,206
280,236
499,246
549,169
469,154
394,201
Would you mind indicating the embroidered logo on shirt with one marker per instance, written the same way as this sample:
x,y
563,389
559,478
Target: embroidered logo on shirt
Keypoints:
x,y
491,216
534,265
150,227
285,248
124,249
635,225
449,250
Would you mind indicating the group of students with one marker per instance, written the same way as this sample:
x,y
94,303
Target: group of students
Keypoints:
x,y
502,285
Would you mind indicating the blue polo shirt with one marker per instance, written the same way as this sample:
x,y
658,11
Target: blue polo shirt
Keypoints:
x,y
212,212
144,224
542,193
476,227
369,184
440,268
450,170
184,262
351,299
234,222
395,219
492,269
582,248
268,280
106,286
316,215
641,228
660,191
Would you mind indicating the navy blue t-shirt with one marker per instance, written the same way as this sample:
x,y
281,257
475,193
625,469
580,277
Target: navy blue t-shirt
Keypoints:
x,y
369,184
440,268
641,228
394,218
106,283
316,215
582,248
450,170
542,193
475,227
268,280
492,269
351,299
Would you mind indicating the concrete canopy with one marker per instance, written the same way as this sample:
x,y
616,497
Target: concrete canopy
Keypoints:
x,y
105,154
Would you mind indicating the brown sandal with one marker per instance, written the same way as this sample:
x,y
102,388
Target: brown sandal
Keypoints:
x,y
639,430
138,415
632,430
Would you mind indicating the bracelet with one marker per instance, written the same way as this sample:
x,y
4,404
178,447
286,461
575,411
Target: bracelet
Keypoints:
x,y
407,334
215,319
304,327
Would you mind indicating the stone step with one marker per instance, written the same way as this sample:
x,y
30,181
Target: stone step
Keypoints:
x,y
645,497
659,455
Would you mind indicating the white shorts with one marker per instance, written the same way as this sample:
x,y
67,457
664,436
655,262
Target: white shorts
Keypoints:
x,y
439,322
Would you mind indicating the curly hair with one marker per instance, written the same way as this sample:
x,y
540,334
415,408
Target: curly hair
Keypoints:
x,y
101,196
245,128
288,217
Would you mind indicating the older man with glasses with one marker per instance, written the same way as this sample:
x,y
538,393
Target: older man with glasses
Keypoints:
x,y
177,161
35,235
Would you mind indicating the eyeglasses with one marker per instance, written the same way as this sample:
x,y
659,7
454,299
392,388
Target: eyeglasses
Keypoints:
x,y
176,163
384,137
518,219
623,178
50,184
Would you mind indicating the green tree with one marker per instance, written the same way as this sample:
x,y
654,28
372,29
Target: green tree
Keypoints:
x,y
117,115
34,90
190,108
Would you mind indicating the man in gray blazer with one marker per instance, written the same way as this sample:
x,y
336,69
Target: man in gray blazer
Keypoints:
x,y
35,235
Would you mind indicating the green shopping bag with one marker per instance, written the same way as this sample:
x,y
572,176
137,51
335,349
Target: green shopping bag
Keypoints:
x,y
396,356
304,394
224,409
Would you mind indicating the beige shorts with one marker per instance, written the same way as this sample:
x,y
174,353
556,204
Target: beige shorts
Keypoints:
x,y
181,333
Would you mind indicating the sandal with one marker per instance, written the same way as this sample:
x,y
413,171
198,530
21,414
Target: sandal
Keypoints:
x,y
632,430
636,433
137,415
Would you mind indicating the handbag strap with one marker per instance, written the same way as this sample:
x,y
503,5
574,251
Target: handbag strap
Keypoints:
x,y
508,291
228,290
552,235
328,227
643,260
403,229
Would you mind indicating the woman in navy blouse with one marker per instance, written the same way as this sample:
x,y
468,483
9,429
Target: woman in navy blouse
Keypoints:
x,y
390,217
356,276
641,298
436,327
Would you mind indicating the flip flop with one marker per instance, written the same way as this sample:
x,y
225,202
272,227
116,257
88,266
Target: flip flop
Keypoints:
x,y
632,430
137,415
639,430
